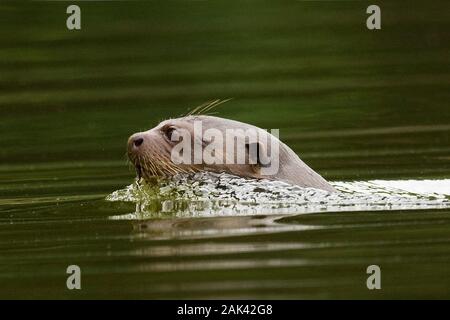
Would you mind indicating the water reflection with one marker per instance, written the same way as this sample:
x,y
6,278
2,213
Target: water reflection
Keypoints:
x,y
217,227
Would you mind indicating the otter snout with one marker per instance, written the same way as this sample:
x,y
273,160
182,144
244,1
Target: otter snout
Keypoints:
x,y
135,149
135,141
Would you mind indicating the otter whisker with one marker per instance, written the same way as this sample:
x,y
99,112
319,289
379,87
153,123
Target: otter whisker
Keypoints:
x,y
167,163
170,166
149,166
207,106
214,105
152,166
200,107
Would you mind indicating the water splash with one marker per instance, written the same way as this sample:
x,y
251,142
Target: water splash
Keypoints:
x,y
206,194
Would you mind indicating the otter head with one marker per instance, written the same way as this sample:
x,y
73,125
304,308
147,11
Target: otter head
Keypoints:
x,y
199,143
151,151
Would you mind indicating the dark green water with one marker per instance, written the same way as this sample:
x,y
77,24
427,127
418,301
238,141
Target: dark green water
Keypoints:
x,y
355,104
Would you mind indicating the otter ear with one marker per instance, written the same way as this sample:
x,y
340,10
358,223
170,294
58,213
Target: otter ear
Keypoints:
x,y
257,156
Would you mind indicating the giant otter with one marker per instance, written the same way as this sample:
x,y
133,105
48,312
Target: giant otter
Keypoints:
x,y
153,152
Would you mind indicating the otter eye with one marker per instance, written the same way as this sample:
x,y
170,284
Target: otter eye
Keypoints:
x,y
169,132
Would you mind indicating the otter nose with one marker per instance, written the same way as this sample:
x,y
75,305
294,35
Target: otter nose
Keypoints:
x,y
138,141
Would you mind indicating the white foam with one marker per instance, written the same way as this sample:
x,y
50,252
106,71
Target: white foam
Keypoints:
x,y
426,187
205,194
